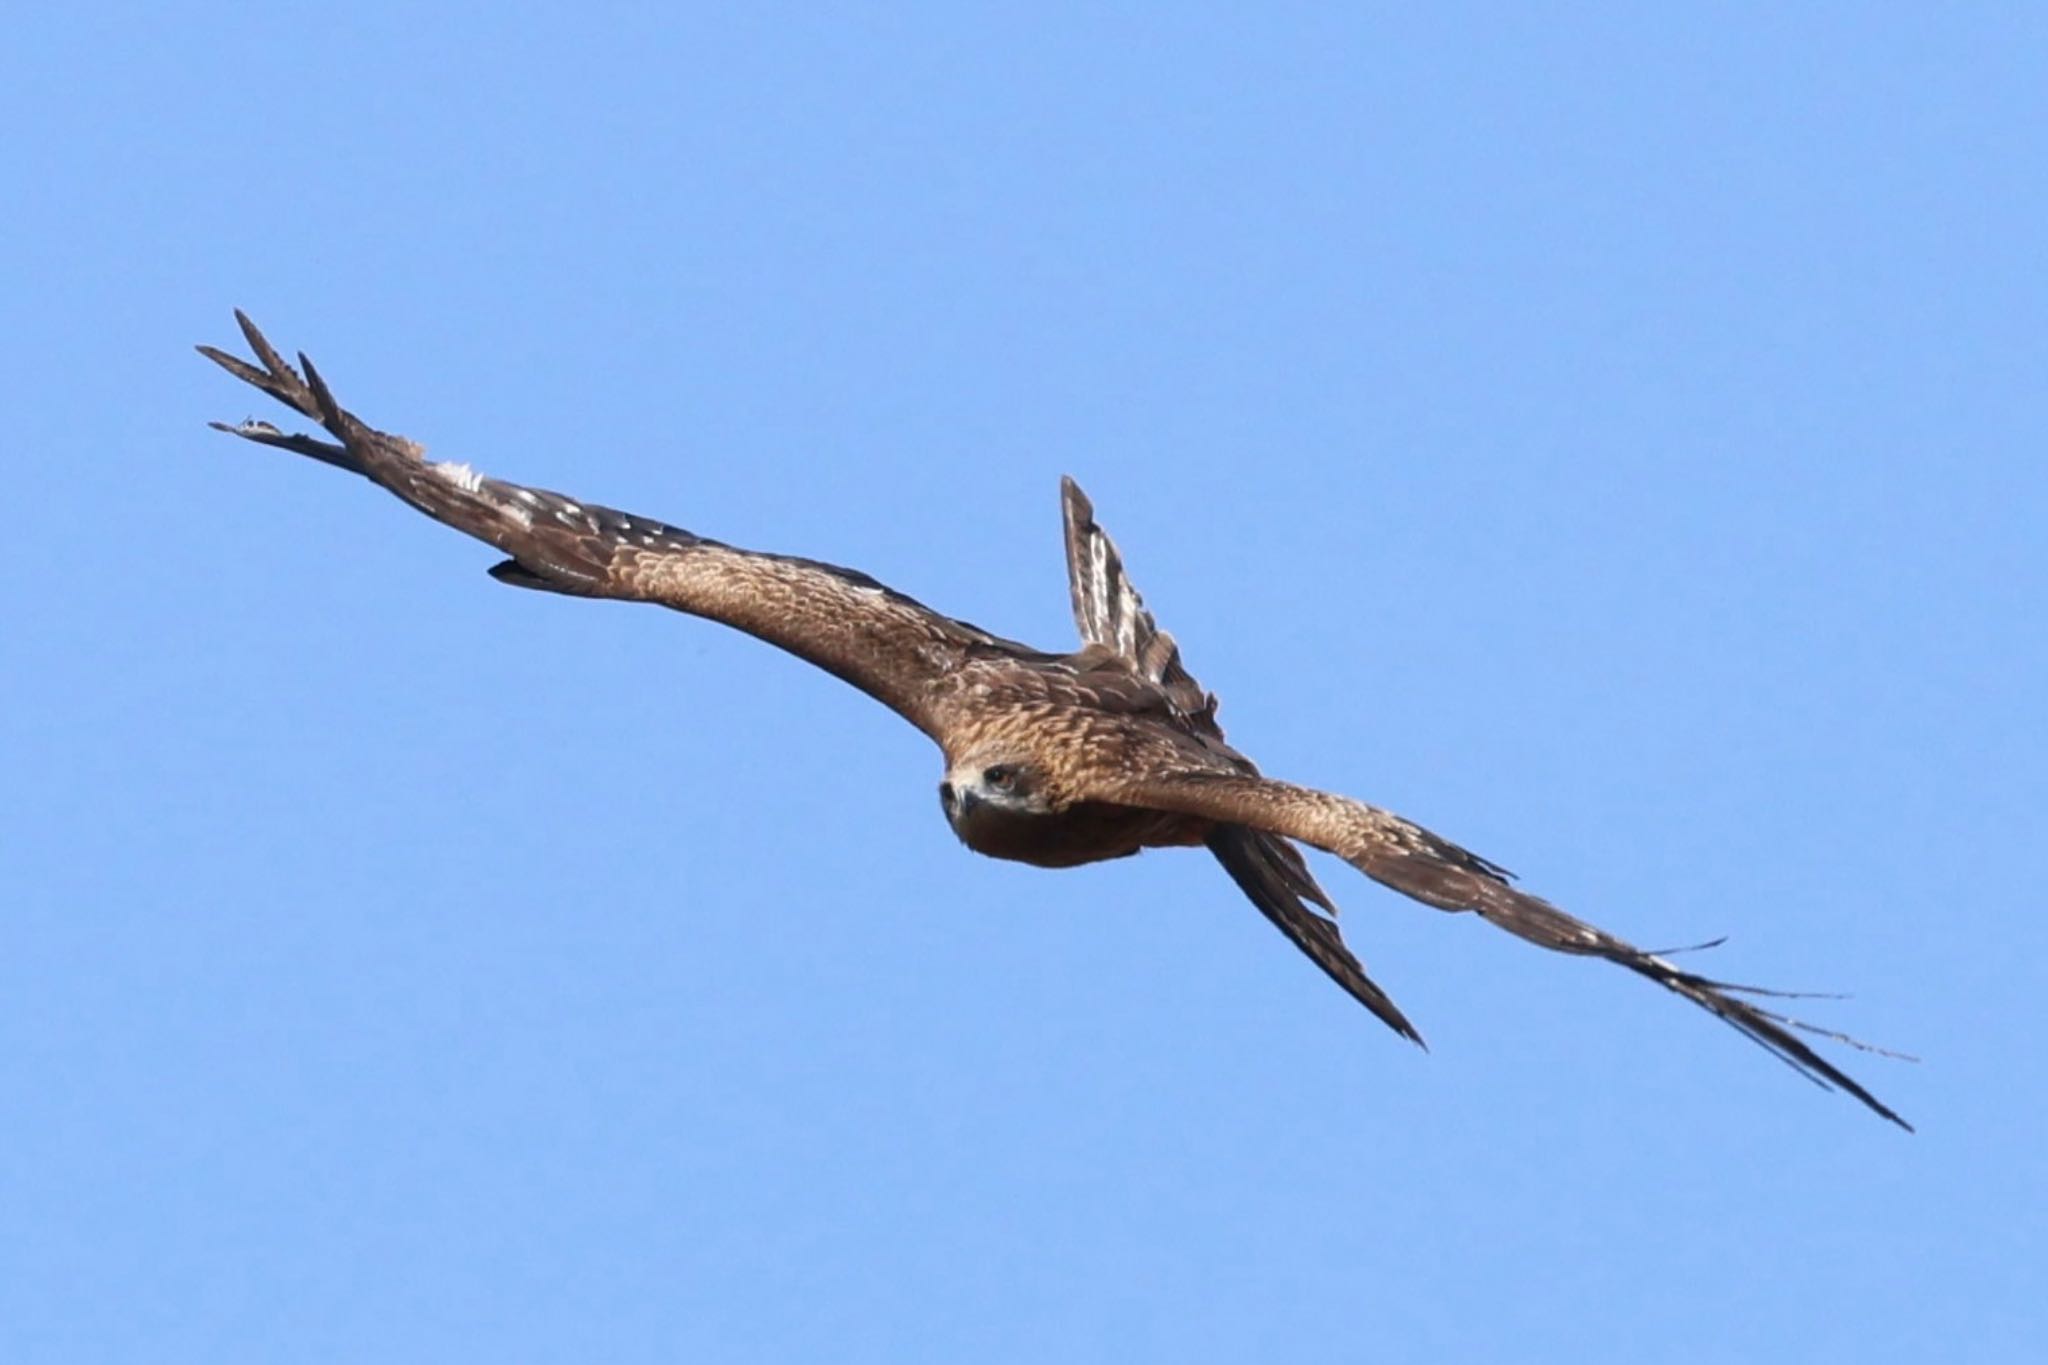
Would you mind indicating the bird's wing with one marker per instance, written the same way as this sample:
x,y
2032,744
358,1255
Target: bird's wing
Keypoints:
x,y
1435,871
1111,615
1269,870
882,642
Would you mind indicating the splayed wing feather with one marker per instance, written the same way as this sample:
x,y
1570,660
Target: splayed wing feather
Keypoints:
x,y
1437,872
887,644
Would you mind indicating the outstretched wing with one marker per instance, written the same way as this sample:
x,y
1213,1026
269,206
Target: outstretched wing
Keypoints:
x,y
1435,871
1269,870
886,644
1110,614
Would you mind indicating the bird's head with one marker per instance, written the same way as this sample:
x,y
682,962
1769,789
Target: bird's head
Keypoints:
x,y
994,783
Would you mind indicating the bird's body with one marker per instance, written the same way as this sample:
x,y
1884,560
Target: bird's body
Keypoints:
x,y
1052,759
1085,832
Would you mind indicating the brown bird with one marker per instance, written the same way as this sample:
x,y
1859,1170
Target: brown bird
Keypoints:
x,y
1052,759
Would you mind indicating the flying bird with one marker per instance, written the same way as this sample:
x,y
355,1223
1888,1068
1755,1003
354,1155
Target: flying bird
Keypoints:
x,y
1055,759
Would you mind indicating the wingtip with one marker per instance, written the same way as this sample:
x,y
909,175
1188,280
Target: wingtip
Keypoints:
x,y
1074,504
1387,1012
254,335
330,410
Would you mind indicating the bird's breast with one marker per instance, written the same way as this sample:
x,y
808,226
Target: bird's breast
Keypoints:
x,y
1087,832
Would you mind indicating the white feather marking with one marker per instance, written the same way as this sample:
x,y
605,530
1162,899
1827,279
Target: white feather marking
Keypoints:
x,y
1098,584
459,474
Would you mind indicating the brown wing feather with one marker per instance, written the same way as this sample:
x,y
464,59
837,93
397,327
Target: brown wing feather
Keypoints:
x,y
886,644
1248,855
1109,612
1437,872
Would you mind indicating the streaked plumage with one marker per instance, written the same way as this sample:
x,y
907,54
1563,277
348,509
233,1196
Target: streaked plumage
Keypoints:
x,y
1052,759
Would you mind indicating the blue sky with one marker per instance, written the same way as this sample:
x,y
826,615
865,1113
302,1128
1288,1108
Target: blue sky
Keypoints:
x,y
1612,437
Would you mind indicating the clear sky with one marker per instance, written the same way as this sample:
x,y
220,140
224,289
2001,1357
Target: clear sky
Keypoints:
x,y
1612,436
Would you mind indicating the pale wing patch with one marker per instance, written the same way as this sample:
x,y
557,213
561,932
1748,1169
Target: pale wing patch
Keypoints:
x,y
1098,587
459,474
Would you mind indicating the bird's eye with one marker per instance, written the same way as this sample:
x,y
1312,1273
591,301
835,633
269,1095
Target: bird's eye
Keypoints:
x,y
1002,777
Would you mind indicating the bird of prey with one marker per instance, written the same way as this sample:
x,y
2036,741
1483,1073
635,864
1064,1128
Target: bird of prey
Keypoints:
x,y
1055,759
